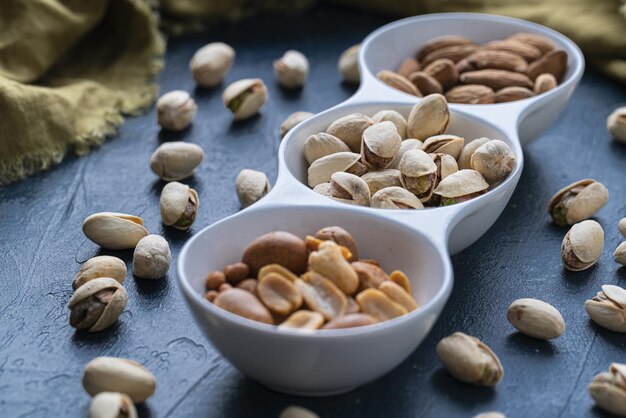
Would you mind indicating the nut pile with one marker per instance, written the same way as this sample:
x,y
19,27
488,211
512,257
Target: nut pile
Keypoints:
x,y
518,67
316,283
387,161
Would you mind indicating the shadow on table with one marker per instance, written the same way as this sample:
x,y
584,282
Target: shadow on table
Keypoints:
x,y
525,345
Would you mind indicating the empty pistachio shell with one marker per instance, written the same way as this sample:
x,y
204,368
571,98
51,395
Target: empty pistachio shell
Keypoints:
x,y
395,198
292,69
380,144
297,412
469,360
292,120
407,144
251,186
350,129
468,150
418,173
324,167
348,64
394,117
152,257
622,226
112,405
582,245
446,165
179,205
461,186
616,124
324,189
330,263
444,144
429,117
100,266
608,389
210,63
245,97
114,231
176,160
608,308
348,188
322,144
175,110
577,202
377,180
97,304
494,160
322,295
243,303
620,254
536,318
303,319
109,374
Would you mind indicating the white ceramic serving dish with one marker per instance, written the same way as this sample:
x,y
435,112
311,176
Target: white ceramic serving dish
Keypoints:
x,y
417,242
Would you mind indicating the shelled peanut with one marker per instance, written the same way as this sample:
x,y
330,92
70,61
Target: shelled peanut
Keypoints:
x,y
314,283
518,67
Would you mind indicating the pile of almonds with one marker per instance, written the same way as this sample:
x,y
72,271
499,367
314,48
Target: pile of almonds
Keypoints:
x,y
319,282
518,67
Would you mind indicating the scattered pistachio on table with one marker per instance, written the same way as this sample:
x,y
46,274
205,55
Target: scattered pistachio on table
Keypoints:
x,y
112,405
179,205
470,360
97,304
114,231
348,64
245,97
152,257
210,64
582,245
292,120
608,389
622,226
175,110
297,412
113,374
577,202
608,308
292,69
251,186
536,318
616,124
100,266
620,254
176,160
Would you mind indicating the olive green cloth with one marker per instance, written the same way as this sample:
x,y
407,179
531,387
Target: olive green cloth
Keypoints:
x,y
68,71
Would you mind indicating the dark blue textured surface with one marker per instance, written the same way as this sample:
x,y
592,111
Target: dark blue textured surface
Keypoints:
x,y
41,245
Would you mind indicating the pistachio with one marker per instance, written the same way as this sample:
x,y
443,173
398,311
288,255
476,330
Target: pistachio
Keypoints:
x,y
210,64
100,266
329,262
112,405
350,129
471,94
322,144
496,79
408,67
445,144
323,168
398,294
495,60
446,165
429,117
494,160
511,94
114,231
444,71
377,304
237,272
418,174
577,201
214,280
461,187
544,82
553,62
582,245
277,247
394,117
351,320
323,189
245,97
402,280
176,160
540,42
321,295
97,304
152,257
469,360
536,318
380,143
179,205
377,180
395,198
370,275
398,82
251,186
109,374
348,188
348,64
292,120
341,237
469,148
608,389
406,145
292,69
622,226
524,50
279,294
307,320
425,83
608,308
454,53
175,110
442,42
297,412
616,124
243,303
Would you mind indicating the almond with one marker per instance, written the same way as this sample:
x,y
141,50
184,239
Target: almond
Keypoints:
x,y
496,60
399,82
408,67
425,83
554,63
510,94
496,79
444,71
454,53
540,42
471,94
526,51
442,42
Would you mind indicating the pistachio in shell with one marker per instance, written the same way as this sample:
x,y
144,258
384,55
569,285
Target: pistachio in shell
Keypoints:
x,y
179,205
608,308
108,374
428,118
112,405
418,174
469,148
97,304
245,97
323,168
394,117
100,266
114,231
350,129
446,165
461,186
608,389
577,201
494,160
322,144
348,64
379,145
175,110
348,188
582,245
251,186
323,189
278,247
377,180
292,120
292,69
406,145
445,144
620,254
395,198
622,226
616,124
211,63
176,160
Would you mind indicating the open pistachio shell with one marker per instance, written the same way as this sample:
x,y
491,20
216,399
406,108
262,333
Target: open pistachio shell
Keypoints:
x,y
112,405
468,150
446,165
608,389
620,254
245,97
429,117
322,144
114,231
494,160
323,189
322,168
462,183
179,204
348,188
380,143
395,198
350,129
577,201
292,69
622,226
582,245
97,304
251,185
406,145
608,308
415,163
377,180
444,144
394,117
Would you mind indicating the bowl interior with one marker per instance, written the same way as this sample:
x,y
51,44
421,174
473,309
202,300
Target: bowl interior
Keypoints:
x,y
390,242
